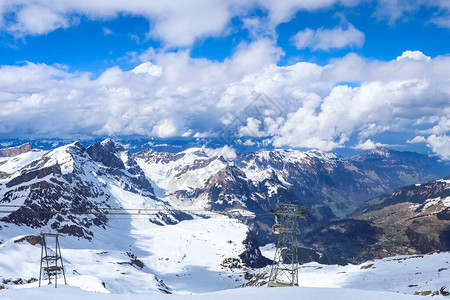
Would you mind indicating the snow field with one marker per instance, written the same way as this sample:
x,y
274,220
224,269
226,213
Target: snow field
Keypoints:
x,y
73,293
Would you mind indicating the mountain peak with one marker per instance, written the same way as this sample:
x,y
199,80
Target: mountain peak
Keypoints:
x,y
375,153
14,151
78,145
112,145
382,151
105,153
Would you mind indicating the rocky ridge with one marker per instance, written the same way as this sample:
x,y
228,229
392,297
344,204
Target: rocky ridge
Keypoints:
x,y
72,189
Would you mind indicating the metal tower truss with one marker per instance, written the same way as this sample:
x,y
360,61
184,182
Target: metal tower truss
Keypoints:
x,y
51,259
285,266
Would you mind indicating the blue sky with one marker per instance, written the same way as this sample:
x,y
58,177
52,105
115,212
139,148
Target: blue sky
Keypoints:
x,y
348,74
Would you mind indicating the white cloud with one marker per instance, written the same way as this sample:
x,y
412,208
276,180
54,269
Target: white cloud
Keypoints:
x,y
149,69
39,20
414,55
326,39
182,22
443,21
196,97
440,144
369,144
176,23
164,129
395,10
252,128
355,68
248,142
371,129
107,31
417,139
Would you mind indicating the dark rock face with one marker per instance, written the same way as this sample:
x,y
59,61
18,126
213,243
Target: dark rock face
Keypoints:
x,y
170,218
252,257
103,154
34,174
32,239
444,239
109,154
444,214
14,151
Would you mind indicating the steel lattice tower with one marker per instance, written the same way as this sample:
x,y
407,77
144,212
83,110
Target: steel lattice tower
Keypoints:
x,y
285,266
50,258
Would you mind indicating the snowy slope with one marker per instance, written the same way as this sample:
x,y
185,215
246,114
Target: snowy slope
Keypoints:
x,y
10,165
186,256
184,171
71,293
391,278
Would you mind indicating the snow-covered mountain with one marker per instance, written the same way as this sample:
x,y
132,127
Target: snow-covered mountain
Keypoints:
x,y
67,189
70,188
197,214
249,184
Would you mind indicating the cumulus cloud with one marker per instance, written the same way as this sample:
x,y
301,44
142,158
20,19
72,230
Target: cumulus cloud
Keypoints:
x,y
417,139
395,10
369,144
181,23
148,68
176,23
326,39
440,144
164,129
414,55
177,95
355,68
38,20
251,128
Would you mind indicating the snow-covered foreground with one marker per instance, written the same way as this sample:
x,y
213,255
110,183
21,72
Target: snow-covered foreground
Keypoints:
x,y
400,274
72,293
186,257
106,274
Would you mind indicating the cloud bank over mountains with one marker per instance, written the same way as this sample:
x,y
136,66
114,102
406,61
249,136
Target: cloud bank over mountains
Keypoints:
x,y
177,95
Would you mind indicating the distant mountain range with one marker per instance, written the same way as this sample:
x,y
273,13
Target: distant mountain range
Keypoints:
x,y
330,185
412,220
73,189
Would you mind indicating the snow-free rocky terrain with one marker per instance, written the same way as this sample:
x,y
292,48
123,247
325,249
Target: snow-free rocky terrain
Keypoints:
x,y
194,222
